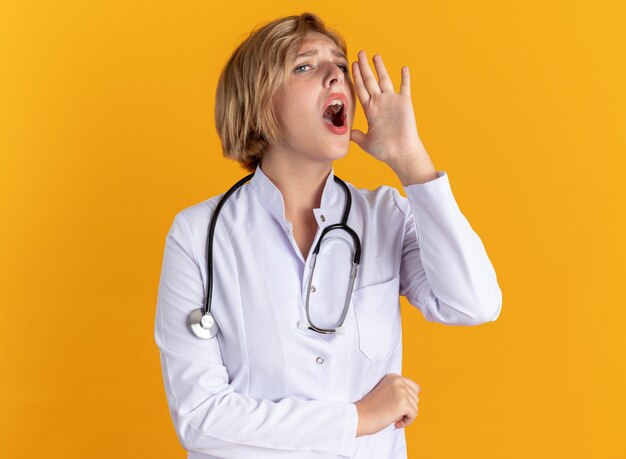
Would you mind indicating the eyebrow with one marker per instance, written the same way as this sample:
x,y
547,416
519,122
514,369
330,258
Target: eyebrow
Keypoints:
x,y
313,52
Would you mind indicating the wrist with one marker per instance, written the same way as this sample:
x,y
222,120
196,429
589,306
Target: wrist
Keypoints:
x,y
415,169
361,428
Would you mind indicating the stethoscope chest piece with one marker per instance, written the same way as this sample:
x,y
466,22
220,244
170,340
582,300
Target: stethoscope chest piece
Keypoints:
x,y
203,325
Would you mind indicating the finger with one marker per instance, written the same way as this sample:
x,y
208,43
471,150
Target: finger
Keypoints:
x,y
361,92
414,389
413,400
383,77
410,418
405,85
357,137
412,412
412,384
368,76
401,424
406,420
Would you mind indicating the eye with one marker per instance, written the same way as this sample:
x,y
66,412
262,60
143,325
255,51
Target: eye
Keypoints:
x,y
300,66
344,68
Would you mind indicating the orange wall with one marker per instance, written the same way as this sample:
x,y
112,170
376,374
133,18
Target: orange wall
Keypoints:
x,y
106,115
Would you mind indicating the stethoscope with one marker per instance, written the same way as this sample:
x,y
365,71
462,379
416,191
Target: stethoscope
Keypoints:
x,y
202,322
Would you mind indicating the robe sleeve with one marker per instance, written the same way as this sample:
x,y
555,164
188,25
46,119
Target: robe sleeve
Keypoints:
x,y
445,270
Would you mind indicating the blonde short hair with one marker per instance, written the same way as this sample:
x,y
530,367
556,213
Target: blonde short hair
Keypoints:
x,y
244,114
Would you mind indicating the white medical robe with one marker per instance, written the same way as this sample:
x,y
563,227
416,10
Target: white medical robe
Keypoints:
x,y
264,388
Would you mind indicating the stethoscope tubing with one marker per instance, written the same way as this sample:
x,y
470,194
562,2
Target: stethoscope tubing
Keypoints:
x,y
209,245
201,320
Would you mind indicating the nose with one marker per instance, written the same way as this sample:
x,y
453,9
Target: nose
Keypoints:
x,y
334,75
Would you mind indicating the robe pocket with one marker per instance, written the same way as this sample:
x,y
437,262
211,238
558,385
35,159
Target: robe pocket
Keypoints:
x,y
377,310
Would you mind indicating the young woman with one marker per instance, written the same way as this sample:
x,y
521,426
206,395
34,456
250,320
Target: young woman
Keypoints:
x,y
278,321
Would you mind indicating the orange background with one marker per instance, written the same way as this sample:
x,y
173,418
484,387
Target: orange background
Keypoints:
x,y
106,121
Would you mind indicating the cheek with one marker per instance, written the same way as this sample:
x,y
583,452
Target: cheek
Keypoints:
x,y
293,117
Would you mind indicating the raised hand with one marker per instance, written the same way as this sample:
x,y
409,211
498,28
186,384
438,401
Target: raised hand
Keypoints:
x,y
392,131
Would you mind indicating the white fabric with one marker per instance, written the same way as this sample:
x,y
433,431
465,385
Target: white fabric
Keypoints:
x,y
263,388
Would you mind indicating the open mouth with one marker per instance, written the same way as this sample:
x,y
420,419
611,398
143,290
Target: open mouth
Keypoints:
x,y
335,113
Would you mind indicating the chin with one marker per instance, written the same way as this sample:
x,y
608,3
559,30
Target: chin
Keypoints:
x,y
337,152
338,145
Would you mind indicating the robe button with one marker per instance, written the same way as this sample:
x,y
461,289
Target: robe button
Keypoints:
x,y
322,218
319,360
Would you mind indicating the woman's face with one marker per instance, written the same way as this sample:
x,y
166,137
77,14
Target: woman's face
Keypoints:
x,y
314,81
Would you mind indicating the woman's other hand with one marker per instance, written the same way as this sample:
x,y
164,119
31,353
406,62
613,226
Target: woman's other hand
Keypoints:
x,y
394,399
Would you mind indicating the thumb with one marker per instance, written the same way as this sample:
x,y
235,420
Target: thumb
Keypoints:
x,y
401,424
358,137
